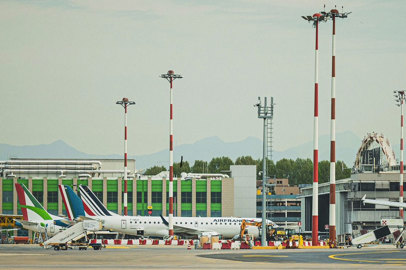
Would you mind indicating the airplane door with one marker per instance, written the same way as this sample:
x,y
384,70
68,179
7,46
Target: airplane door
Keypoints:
x,y
123,224
52,228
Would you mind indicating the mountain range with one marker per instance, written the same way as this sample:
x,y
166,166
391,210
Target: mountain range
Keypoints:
x,y
347,144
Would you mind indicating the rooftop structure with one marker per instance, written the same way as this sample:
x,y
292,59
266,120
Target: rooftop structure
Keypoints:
x,y
64,168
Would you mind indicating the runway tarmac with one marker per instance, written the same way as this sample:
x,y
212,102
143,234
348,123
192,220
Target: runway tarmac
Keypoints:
x,y
156,257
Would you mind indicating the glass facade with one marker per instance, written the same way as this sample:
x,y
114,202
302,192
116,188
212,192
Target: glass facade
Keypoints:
x,y
194,201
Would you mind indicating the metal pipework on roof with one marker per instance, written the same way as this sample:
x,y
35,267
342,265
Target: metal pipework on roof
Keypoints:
x,y
56,166
33,161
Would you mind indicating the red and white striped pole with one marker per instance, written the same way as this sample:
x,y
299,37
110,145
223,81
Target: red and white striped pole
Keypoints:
x,y
125,161
171,159
125,103
332,227
170,76
315,212
402,98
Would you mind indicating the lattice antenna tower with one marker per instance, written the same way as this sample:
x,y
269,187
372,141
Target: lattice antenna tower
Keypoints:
x,y
265,111
269,130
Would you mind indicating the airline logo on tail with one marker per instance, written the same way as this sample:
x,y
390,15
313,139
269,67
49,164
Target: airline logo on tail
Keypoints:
x,y
93,206
32,210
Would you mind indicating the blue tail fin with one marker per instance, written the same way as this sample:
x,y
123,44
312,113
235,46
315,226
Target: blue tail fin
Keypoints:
x,y
73,204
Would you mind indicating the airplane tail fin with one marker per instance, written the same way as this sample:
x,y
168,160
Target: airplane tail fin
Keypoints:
x,y
30,207
93,206
73,204
164,221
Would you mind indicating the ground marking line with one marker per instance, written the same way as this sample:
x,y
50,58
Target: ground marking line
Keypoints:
x,y
355,260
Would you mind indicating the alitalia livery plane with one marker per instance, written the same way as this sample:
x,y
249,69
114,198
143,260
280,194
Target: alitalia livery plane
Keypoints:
x,y
158,226
35,217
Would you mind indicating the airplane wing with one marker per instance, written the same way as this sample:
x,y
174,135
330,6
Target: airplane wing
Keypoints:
x,y
26,222
381,202
64,222
8,230
187,230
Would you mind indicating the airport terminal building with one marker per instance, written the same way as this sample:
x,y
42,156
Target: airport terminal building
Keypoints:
x,y
375,174
201,195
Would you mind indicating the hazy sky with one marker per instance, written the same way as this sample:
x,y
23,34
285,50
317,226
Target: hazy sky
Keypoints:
x,y
64,64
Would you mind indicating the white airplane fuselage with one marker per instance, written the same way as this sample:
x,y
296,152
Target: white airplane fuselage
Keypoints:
x,y
228,227
47,225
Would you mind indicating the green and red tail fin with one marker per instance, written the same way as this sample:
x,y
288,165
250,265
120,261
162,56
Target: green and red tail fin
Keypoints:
x,y
30,207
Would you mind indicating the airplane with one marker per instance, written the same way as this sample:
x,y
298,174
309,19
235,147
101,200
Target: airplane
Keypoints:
x,y
35,217
158,226
384,231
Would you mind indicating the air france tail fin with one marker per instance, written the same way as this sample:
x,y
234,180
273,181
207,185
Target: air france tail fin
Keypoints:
x,y
73,204
30,207
93,206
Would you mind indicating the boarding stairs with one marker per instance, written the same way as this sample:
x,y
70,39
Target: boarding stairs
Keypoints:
x,y
73,232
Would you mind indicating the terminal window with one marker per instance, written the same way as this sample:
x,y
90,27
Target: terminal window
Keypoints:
x,y
142,195
7,196
52,196
215,213
186,213
156,197
367,186
201,197
112,197
216,197
201,213
186,197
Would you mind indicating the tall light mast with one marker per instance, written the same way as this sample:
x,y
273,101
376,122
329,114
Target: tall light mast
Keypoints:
x,y
316,18
171,76
125,103
400,100
333,14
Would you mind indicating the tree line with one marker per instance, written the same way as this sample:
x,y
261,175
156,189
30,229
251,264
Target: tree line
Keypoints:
x,y
299,171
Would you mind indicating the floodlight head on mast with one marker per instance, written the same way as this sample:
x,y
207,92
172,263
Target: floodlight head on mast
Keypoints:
x,y
125,102
337,14
399,96
171,75
317,17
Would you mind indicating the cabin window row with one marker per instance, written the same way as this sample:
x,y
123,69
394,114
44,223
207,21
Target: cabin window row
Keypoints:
x,y
186,223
